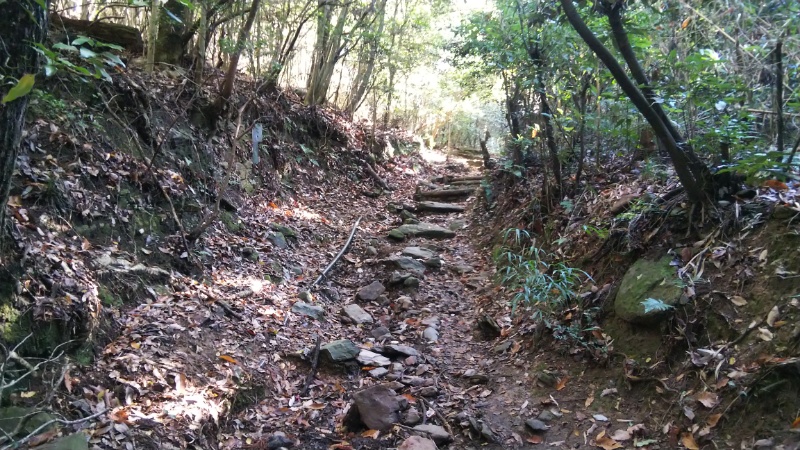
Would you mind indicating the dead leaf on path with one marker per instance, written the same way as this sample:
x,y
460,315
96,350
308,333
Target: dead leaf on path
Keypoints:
x,y
621,435
606,442
135,345
765,335
228,359
562,383
796,424
68,380
773,315
713,420
689,412
738,300
516,347
708,399
535,439
589,400
687,439
371,434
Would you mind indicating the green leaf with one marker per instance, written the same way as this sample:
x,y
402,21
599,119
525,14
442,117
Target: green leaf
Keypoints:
x,y
87,53
22,88
80,40
654,304
62,46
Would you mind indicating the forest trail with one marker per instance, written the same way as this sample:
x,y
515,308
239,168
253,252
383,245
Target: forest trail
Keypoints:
x,y
229,362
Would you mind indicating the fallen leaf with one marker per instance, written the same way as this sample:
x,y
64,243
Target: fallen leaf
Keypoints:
x,y
600,418
713,420
535,439
621,435
371,434
562,383
687,439
708,399
28,394
764,334
777,185
773,316
589,401
689,412
796,424
228,359
606,442
738,300
136,345
68,380
317,406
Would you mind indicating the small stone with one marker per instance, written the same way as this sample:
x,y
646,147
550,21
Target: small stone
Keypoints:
x,y
430,334
371,291
434,263
369,358
279,440
410,361
380,332
417,443
305,296
305,309
378,372
411,283
250,253
502,348
429,391
411,380
435,432
371,251
397,349
377,407
461,268
397,367
411,417
397,235
340,351
357,314
278,239
457,224
537,425
418,252
546,416
432,321
405,263
404,302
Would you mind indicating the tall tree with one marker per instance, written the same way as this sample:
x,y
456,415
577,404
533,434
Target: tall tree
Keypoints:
x,y
692,172
230,75
24,23
366,60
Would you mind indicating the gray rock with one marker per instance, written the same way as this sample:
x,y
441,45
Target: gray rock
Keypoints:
x,y
369,358
418,252
429,391
537,425
380,332
371,291
410,221
435,432
377,407
431,321
278,239
357,314
398,277
405,302
546,416
411,265
411,283
425,230
279,440
378,372
340,351
305,296
397,349
371,251
457,224
397,235
417,443
647,280
501,348
412,380
251,253
430,334
461,268
439,207
306,309
411,417
434,263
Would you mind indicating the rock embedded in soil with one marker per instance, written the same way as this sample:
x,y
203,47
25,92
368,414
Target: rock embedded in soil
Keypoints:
x,y
411,417
377,407
425,230
430,334
411,265
369,358
411,283
438,434
380,333
418,252
279,440
357,314
305,309
378,372
417,443
397,349
440,207
647,280
278,239
340,351
371,291
537,425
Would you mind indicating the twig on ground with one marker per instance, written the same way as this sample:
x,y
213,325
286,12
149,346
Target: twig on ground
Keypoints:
x,y
338,256
314,367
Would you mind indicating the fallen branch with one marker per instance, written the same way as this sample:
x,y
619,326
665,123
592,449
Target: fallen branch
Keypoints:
x,y
381,182
338,256
314,367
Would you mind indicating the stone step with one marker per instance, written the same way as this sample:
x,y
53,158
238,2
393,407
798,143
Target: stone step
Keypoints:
x,y
439,207
444,194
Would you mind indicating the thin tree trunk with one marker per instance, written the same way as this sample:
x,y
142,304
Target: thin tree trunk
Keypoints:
x,y
230,75
695,183
24,22
779,96
152,35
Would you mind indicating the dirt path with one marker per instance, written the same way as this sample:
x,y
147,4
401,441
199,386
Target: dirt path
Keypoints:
x,y
227,361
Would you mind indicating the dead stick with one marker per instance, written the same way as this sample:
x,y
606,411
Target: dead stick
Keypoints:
x,y
338,256
314,366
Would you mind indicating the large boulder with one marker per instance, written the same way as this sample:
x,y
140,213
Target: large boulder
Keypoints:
x,y
647,280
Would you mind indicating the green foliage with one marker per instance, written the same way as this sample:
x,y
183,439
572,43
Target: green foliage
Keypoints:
x,y
530,273
21,89
655,305
94,58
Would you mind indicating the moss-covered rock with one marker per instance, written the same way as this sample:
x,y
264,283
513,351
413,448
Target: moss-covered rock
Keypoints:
x,y
644,280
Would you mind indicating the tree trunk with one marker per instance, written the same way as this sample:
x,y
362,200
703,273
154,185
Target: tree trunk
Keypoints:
x,y
152,36
25,23
485,150
693,174
230,74
170,46
366,63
